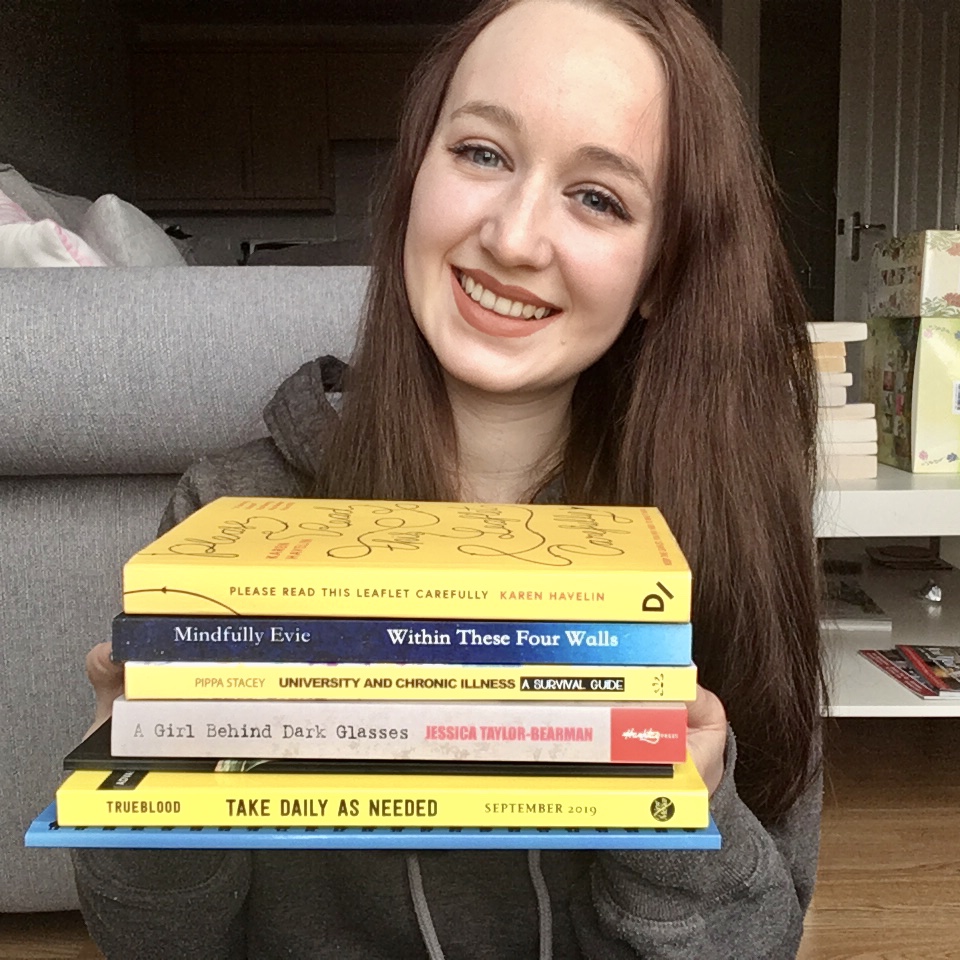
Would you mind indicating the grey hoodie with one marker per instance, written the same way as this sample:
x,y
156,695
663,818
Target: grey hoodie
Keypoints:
x,y
742,902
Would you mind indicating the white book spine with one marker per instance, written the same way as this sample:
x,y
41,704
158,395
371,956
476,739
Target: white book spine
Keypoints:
x,y
856,447
629,732
833,431
842,379
832,396
833,331
850,411
849,467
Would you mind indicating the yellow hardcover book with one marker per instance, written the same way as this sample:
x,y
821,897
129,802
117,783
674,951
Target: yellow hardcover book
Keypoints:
x,y
142,798
379,558
235,680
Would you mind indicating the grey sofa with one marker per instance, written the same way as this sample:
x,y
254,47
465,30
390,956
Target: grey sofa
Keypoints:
x,y
112,381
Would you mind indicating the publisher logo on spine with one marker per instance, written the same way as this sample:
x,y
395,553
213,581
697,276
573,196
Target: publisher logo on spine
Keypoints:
x,y
651,734
644,736
662,809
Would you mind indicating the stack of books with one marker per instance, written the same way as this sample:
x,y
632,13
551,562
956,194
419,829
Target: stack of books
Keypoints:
x,y
848,430
372,672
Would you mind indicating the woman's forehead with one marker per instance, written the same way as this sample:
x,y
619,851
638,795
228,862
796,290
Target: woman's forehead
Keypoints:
x,y
568,67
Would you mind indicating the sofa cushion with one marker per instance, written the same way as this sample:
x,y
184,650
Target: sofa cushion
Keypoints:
x,y
126,237
61,584
142,370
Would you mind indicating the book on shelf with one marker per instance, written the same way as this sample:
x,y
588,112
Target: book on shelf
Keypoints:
x,y
849,411
939,666
47,831
835,430
828,349
836,331
97,753
378,558
150,798
148,680
849,466
841,378
830,364
864,448
847,606
832,396
893,663
430,730
321,640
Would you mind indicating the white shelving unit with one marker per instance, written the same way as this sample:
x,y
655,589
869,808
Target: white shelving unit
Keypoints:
x,y
896,504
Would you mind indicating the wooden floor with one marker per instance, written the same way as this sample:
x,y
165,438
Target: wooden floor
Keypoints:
x,y
889,883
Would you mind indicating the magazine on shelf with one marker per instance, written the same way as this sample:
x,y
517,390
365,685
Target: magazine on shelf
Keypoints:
x,y
940,666
893,663
849,607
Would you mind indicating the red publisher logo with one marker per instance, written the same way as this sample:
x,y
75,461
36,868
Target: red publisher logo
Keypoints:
x,y
648,735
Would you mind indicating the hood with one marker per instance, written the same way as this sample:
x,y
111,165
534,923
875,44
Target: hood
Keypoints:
x,y
301,416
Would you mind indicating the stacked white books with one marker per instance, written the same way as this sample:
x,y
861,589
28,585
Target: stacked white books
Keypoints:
x,y
848,430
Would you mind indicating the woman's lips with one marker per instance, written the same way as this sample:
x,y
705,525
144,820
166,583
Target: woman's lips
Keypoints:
x,y
494,324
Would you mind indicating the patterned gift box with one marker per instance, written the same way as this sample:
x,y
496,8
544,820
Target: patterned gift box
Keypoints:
x,y
911,371
917,275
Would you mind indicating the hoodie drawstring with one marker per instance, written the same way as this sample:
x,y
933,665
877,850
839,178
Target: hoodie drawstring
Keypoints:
x,y
422,908
425,921
543,904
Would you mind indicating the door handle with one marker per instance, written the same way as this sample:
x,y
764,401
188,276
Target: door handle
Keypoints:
x,y
857,226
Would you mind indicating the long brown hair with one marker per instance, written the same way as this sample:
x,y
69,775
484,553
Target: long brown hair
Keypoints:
x,y
705,407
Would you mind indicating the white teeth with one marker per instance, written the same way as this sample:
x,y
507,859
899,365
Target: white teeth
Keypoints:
x,y
501,305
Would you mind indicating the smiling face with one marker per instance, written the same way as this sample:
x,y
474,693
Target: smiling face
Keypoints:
x,y
533,220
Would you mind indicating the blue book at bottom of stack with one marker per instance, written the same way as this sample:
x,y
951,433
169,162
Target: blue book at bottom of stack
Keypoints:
x,y
46,832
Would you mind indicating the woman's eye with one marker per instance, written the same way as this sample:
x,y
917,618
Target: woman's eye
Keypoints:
x,y
602,203
481,156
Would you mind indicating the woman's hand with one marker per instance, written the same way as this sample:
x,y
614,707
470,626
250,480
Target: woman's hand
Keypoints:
x,y
707,736
107,679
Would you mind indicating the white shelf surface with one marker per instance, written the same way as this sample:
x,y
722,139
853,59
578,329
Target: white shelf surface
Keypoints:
x,y
896,504
858,688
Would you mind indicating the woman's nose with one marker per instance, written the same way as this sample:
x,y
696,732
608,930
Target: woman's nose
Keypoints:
x,y
516,229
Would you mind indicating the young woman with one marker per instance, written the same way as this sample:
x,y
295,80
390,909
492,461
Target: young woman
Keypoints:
x,y
578,293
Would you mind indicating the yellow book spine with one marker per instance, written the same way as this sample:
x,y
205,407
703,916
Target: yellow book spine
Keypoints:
x,y
145,680
186,589
163,799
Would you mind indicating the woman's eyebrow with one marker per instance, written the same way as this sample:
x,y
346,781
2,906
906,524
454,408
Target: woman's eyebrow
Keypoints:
x,y
494,112
615,162
589,153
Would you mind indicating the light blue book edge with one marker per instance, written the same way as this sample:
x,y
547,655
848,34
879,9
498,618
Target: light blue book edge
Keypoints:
x,y
46,832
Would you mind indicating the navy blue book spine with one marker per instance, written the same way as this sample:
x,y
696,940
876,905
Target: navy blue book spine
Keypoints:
x,y
269,639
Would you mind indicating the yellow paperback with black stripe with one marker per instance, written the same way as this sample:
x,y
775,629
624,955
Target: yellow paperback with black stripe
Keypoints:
x,y
129,798
382,558
242,680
